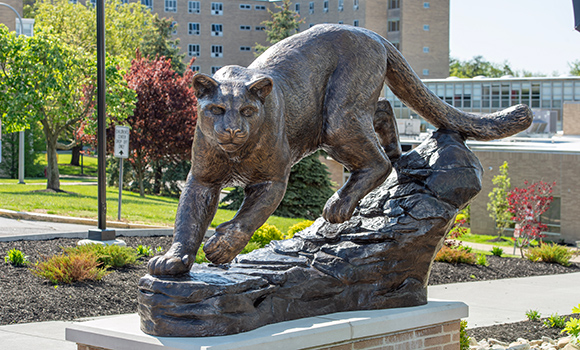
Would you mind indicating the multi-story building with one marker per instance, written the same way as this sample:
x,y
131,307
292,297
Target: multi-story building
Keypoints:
x,y
225,32
7,16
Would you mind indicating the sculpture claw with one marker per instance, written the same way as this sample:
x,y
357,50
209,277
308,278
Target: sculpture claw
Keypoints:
x,y
338,210
169,265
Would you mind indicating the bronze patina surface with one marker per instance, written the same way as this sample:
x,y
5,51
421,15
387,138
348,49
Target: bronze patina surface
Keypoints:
x,y
318,89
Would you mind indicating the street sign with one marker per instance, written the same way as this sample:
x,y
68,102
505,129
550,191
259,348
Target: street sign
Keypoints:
x,y
121,141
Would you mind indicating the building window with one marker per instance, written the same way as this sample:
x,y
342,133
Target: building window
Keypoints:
x,y
260,28
355,23
260,7
170,5
297,8
193,7
195,68
425,71
397,45
94,3
193,28
72,1
426,27
245,7
355,4
217,51
340,5
146,3
426,5
27,27
393,25
124,1
310,25
214,69
245,28
394,4
217,8
426,49
193,50
311,7
174,28
325,6
340,22
245,48
217,30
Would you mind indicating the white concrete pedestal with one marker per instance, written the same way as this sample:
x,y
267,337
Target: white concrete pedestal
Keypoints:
x,y
435,324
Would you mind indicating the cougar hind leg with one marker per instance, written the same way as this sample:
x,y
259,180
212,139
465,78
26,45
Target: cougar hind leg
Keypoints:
x,y
385,126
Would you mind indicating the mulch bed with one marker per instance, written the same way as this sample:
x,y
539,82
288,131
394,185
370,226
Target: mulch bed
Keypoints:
x,y
27,298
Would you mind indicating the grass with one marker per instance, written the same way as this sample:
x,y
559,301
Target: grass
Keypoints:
x,y
485,239
81,201
90,165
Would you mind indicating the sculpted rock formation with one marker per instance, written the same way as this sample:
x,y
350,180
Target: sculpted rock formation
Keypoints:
x,y
380,258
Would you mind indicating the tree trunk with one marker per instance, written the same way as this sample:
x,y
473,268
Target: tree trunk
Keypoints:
x,y
76,155
157,175
52,174
139,168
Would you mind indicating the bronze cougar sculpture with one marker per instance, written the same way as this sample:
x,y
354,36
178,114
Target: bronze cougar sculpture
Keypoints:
x,y
318,89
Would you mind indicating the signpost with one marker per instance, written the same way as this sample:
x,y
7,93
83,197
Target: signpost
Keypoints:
x,y
121,152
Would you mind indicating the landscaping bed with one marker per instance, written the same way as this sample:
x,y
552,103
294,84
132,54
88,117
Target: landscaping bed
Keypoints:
x,y
27,298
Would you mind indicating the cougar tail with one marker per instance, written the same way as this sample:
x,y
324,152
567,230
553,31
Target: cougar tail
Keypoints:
x,y
407,86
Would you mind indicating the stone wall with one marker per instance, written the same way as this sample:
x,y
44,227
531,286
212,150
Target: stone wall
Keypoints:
x,y
7,16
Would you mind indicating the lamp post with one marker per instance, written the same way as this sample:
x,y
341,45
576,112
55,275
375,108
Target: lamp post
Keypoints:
x,y
21,133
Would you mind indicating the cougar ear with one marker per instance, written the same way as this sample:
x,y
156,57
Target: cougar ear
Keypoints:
x,y
203,85
261,87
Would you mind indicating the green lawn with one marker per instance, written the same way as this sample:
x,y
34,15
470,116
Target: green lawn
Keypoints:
x,y
81,201
485,239
89,165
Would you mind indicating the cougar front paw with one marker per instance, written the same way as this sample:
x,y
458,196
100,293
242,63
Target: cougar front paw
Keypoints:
x,y
169,265
226,243
337,210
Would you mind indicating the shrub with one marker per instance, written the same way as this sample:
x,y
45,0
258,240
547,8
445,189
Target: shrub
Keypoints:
x,y
550,253
250,247
573,327
16,258
482,260
144,250
533,315
497,251
200,256
555,321
108,255
265,234
463,337
455,256
68,268
298,227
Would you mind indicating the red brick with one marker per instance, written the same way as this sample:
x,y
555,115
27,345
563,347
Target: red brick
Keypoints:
x,y
397,338
450,327
341,347
428,331
367,343
452,346
434,348
438,340
455,337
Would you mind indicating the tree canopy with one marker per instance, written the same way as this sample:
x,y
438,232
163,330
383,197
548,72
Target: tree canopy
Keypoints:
x,y
284,23
478,66
159,43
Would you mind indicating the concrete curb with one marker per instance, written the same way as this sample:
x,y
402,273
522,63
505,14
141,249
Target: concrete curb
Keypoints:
x,y
21,215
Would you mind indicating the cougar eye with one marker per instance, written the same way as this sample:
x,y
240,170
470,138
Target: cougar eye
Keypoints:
x,y
217,110
247,112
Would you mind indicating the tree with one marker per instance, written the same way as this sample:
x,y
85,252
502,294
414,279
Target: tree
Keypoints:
x,y
45,80
158,43
478,66
284,23
527,205
575,67
498,204
75,24
10,153
308,190
163,124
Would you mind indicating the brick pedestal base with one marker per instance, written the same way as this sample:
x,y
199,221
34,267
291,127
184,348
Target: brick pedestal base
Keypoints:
x,y
434,326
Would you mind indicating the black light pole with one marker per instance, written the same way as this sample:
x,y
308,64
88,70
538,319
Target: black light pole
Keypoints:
x,y
101,234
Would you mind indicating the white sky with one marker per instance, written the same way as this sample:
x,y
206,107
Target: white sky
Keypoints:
x,y
532,35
